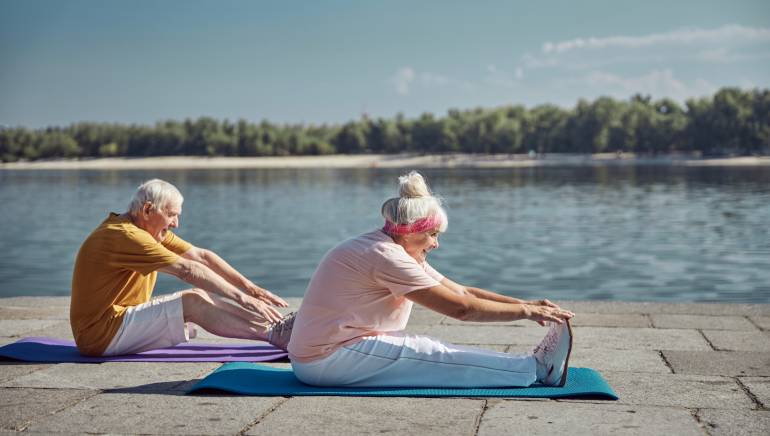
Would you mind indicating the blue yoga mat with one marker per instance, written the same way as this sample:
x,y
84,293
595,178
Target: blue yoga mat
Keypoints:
x,y
254,379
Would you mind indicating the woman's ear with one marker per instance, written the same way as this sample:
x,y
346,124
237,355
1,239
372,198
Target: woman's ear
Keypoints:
x,y
147,207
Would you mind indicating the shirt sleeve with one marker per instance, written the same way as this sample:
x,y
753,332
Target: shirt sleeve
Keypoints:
x,y
176,244
401,274
138,251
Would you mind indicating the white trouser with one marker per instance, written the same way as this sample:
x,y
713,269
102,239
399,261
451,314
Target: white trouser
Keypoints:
x,y
404,360
157,323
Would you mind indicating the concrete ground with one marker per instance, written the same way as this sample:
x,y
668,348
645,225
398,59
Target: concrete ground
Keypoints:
x,y
679,369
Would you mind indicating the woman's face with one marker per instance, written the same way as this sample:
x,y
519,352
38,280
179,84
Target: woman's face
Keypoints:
x,y
418,245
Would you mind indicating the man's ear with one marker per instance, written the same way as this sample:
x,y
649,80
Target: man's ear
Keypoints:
x,y
147,207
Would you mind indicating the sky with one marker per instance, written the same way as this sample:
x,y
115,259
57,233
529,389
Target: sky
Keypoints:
x,y
332,61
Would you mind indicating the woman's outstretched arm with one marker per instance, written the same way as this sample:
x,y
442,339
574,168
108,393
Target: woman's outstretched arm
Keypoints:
x,y
492,296
467,307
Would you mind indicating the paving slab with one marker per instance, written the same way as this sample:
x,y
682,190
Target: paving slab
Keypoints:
x,y
12,369
759,387
520,323
554,418
60,330
738,341
727,363
140,376
371,416
638,339
762,321
580,320
735,422
690,391
619,360
20,407
22,327
670,308
621,338
710,322
611,320
611,360
618,339
63,301
8,313
158,414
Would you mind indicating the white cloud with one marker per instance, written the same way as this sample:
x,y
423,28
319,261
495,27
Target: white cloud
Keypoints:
x,y
726,44
725,34
402,79
658,83
406,78
724,56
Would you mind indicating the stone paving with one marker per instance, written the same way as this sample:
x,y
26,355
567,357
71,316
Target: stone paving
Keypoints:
x,y
679,369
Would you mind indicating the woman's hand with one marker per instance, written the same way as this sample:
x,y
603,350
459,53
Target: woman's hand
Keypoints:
x,y
544,313
265,295
543,302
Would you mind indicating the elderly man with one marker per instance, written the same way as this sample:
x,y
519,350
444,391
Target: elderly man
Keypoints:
x,y
115,272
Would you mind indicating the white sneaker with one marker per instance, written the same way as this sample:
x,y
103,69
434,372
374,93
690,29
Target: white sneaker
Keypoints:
x,y
552,354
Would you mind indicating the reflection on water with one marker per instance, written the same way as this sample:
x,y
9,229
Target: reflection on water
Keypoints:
x,y
618,233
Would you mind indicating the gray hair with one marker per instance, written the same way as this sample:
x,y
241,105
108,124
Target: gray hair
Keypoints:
x,y
415,201
158,192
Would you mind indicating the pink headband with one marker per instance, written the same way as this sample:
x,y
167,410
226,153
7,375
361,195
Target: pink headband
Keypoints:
x,y
419,226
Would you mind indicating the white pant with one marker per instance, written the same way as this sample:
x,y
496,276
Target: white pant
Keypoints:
x,y
403,360
157,323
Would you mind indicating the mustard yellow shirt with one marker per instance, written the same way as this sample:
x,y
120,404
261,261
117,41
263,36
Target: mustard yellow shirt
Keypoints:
x,y
116,268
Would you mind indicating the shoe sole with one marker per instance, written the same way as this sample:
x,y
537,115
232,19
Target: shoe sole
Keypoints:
x,y
563,380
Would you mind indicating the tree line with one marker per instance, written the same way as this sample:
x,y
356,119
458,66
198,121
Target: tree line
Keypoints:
x,y
731,122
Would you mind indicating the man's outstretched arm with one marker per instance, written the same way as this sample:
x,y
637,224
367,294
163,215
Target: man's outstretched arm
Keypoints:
x,y
227,272
200,276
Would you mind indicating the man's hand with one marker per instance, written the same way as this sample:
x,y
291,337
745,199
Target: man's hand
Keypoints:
x,y
264,310
265,295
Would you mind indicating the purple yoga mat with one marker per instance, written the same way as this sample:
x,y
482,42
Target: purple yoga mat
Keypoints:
x,y
42,349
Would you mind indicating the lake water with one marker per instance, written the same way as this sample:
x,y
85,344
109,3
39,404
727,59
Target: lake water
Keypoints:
x,y
649,233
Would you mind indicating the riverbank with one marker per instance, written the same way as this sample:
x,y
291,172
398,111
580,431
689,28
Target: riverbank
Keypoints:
x,y
380,161
683,369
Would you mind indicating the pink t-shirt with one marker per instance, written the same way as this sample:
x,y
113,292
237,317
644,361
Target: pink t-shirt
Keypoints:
x,y
357,290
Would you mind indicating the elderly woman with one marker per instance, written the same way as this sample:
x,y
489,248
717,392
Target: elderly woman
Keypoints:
x,y
349,330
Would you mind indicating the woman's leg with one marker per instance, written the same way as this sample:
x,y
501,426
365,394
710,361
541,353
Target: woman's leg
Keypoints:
x,y
401,359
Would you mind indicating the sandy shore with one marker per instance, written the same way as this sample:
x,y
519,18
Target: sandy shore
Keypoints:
x,y
377,161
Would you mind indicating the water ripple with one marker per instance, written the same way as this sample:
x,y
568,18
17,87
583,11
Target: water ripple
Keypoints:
x,y
627,233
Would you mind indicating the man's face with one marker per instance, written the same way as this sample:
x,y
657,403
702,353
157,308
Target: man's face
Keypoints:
x,y
158,220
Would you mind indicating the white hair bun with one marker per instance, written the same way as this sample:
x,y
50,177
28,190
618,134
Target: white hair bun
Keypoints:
x,y
413,185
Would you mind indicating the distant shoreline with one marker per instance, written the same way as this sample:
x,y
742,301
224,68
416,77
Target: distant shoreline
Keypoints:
x,y
456,160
